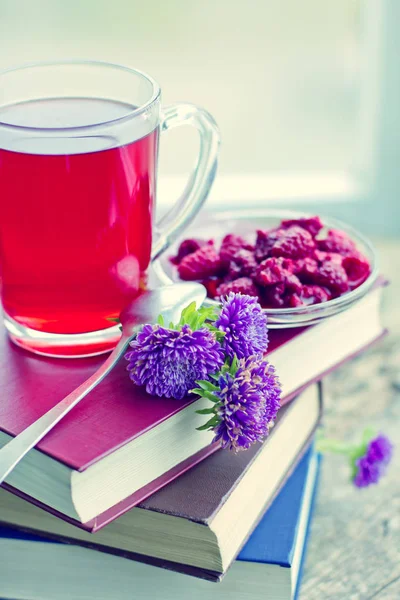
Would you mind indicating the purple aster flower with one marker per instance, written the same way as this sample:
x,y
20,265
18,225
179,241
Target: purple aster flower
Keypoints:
x,y
244,324
249,402
372,465
168,362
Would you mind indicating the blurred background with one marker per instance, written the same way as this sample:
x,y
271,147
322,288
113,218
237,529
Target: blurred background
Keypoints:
x,y
306,94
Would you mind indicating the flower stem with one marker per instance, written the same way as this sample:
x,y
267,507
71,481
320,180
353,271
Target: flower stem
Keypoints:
x,y
334,446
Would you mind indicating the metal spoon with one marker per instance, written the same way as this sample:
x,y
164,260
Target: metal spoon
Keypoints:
x,y
168,300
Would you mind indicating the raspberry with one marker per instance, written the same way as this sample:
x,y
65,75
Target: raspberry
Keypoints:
x,y
313,225
242,264
188,247
293,242
287,267
293,301
309,294
337,241
264,243
230,246
243,285
304,267
322,257
293,284
333,276
211,286
290,264
357,269
201,264
315,294
272,296
271,271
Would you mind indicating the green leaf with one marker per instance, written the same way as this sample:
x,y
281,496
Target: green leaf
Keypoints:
x,y
226,366
206,411
234,366
113,319
196,318
207,313
216,330
205,394
160,320
186,314
219,335
207,385
210,424
203,427
193,321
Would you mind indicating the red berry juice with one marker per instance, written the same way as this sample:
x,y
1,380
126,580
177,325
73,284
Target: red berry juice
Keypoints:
x,y
75,216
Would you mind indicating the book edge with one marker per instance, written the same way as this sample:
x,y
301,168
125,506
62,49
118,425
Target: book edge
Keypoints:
x,y
212,576
126,504
308,531
304,448
384,332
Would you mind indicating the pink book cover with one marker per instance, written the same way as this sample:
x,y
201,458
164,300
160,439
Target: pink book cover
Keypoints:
x,y
112,415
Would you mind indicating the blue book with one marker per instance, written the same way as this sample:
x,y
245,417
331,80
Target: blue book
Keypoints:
x,y
268,567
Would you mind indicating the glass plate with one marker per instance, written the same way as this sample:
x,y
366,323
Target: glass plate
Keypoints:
x,y
245,222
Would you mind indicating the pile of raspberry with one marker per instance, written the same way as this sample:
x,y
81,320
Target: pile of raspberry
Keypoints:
x,y
295,264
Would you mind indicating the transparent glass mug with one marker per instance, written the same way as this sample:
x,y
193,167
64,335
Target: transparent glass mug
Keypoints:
x,y
78,165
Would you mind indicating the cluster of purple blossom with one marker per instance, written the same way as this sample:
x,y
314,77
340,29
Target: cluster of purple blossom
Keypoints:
x,y
368,459
371,465
219,357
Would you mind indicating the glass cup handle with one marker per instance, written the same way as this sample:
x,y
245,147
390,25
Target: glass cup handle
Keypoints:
x,y
198,186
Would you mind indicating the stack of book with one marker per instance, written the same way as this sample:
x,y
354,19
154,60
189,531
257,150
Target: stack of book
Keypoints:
x,y
125,499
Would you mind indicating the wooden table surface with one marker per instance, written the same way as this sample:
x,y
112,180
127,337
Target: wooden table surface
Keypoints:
x,y
354,547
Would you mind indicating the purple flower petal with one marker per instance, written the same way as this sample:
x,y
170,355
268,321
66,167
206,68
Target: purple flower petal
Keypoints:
x,y
380,450
372,466
169,362
250,401
244,324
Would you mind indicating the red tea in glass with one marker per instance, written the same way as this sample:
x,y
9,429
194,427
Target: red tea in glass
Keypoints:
x,y
78,163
